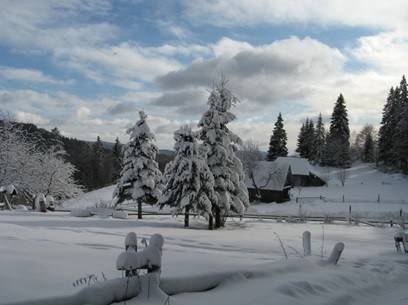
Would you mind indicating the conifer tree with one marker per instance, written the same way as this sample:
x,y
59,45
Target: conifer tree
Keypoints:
x,y
368,153
320,140
277,143
231,191
387,133
189,183
306,140
338,145
301,140
98,155
401,134
116,159
140,178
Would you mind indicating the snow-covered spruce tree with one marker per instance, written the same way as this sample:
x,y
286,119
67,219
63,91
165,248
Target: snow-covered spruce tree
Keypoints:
x,y
277,142
386,151
320,140
338,143
189,183
231,191
140,176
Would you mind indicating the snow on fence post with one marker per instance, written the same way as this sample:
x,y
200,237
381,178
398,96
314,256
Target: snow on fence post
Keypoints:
x,y
131,241
336,253
307,248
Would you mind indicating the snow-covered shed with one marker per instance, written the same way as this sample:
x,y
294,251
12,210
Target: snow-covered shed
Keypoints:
x,y
269,182
301,173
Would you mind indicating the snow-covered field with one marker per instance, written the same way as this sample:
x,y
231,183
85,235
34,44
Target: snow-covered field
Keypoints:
x,y
363,186
42,255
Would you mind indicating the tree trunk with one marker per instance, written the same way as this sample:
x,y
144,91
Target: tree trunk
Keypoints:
x,y
218,221
186,217
139,209
210,223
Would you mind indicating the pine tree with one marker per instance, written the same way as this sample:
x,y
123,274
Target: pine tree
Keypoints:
x,y
310,141
116,159
98,155
320,140
387,133
306,146
140,176
231,191
368,153
338,145
401,134
301,139
277,143
189,183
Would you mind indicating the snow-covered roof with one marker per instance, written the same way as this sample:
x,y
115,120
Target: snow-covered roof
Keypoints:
x,y
269,176
298,166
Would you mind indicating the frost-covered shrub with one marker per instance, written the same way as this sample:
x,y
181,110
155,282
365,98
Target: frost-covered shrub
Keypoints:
x,y
33,169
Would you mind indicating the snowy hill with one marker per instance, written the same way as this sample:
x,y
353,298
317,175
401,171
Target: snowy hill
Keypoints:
x,y
369,192
101,197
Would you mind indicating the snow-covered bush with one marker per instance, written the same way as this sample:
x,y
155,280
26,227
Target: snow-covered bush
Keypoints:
x,y
230,188
140,176
189,183
40,203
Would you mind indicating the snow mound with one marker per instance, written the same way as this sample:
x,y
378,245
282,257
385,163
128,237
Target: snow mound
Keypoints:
x,y
81,213
120,214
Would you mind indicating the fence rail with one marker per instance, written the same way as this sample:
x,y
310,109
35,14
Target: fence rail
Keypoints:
x,y
286,217
344,198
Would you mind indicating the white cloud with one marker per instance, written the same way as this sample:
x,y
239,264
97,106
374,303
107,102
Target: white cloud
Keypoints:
x,y
262,75
45,25
33,118
83,112
367,13
29,75
128,63
386,51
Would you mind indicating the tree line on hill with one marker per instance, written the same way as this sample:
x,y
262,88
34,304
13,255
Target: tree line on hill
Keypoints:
x,y
335,147
330,148
94,164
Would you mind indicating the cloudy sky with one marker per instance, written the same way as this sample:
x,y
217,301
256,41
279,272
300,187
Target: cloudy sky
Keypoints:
x,y
88,66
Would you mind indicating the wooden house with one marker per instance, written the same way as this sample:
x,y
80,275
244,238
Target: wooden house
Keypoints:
x,y
301,173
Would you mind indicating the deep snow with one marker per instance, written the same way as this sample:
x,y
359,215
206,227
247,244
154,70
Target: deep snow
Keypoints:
x,y
42,255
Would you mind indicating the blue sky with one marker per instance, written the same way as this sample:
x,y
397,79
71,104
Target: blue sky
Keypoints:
x,y
89,66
